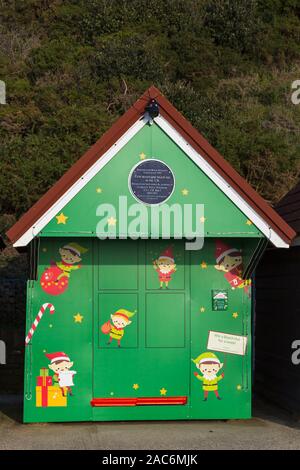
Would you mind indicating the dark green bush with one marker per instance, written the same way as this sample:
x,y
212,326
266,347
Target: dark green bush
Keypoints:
x,y
72,67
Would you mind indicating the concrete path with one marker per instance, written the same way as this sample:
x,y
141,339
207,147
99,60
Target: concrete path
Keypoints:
x,y
269,429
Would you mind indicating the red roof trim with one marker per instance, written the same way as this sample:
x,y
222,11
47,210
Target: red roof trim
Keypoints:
x,y
214,158
196,140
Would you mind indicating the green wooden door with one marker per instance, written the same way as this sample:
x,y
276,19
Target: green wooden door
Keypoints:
x,y
234,321
144,300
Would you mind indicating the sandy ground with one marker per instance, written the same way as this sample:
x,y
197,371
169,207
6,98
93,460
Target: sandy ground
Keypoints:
x,y
270,428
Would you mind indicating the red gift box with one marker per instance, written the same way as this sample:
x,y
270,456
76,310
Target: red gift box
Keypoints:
x,y
44,381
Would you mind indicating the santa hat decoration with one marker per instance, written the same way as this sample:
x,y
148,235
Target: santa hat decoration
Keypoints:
x,y
57,356
75,248
167,254
223,250
207,357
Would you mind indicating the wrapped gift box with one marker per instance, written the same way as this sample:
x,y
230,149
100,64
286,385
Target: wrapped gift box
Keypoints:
x,y
43,379
51,396
46,393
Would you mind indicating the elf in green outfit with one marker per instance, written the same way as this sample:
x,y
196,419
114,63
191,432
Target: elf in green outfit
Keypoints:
x,y
119,321
209,366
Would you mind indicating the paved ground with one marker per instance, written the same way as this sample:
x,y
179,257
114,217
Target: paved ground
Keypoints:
x,y
269,429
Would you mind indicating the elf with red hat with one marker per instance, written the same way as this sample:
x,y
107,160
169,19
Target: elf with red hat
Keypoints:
x,y
165,266
230,261
61,364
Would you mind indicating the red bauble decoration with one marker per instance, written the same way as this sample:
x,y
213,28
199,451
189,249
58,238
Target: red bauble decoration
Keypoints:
x,y
51,284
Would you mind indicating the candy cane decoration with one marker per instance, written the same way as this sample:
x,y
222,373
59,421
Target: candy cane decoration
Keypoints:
x,y
37,321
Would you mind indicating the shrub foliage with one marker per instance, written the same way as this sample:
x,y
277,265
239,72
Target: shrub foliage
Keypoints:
x,y
72,67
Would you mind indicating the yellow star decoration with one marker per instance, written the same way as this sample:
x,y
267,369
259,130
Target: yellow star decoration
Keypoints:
x,y
202,309
135,386
163,391
202,219
249,222
142,156
184,192
99,190
78,318
61,218
203,265
111,221
235,315
239,387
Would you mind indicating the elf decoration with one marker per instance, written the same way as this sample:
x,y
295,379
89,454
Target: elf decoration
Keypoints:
x,y
115,327
230,261
46,393
209,366
61,364
37,320
55,280
165,266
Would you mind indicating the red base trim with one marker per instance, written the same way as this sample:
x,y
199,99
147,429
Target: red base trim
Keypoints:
x,y
142,401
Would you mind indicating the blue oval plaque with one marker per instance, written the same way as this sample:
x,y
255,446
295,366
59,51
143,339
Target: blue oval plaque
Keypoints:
x,y
151,182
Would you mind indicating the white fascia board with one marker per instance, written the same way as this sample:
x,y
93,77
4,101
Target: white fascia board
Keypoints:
x,y
223,185
187,149
76,187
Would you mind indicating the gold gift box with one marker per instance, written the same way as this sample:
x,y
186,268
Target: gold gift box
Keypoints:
x,y
54,396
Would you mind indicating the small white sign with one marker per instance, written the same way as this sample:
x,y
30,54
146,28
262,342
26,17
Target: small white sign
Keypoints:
x,y
65,379
227,343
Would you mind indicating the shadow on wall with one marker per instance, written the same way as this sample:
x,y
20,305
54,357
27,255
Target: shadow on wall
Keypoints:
x,y
13,275
11,407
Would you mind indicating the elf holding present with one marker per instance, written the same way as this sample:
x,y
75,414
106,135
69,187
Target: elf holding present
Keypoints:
x,y
115,328
165,266
209,366
55,279
230,261
61,364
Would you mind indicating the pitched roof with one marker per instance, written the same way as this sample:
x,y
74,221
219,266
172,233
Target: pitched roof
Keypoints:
x,y
196,141
289,208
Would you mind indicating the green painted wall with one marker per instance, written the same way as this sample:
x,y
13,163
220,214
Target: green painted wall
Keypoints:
x,y
192,186
235,388
61,333
169,329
